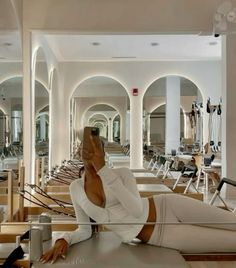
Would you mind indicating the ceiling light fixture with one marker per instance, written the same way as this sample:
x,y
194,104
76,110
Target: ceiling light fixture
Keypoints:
x,y
7,44
212,43
95,44
154,44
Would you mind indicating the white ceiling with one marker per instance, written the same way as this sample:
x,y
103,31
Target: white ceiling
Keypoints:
x,y
119,47
10,47
134,47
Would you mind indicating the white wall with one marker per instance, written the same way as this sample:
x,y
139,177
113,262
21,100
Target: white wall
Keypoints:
x,y
206,75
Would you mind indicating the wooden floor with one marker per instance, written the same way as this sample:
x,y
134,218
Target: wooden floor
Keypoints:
x,y
212,264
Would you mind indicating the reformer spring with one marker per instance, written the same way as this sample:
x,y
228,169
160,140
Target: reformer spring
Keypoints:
x,y
42,204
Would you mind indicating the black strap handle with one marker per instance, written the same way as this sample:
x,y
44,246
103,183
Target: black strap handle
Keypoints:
x,y
16,254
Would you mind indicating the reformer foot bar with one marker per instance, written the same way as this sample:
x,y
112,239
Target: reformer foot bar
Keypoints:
x,y
217,192
190,171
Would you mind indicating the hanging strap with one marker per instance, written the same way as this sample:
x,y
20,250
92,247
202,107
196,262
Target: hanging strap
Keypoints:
x,y
208,109
16,254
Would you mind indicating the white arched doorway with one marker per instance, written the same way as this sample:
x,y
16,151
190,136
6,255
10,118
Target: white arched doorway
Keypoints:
x,y
99,90
179,95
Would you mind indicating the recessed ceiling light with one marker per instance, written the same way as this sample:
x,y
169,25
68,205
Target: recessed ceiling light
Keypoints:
x,y
7,44
154,44
213,43
95,44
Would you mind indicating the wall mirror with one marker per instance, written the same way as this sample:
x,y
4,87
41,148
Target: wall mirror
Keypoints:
x,y
11,131
11,116
102,102
41,94
11,113
190,113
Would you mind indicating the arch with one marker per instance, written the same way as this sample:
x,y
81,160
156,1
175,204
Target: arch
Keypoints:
x,y
100,103
20,75
5,78
98,113
112,120
184,115
172,74
159,105
53,76
3,110
34,60
77,84
163,103
41,108
40,81
87,106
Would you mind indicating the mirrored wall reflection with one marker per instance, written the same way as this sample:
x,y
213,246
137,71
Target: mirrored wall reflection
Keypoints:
x,y
192,104
154,114
102,102
184,109
41,107
42,127
116,128
101,116
11,121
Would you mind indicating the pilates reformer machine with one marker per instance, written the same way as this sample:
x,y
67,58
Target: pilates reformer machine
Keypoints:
x,y
55,187
117,155
214,125
217,193
180,179
23,203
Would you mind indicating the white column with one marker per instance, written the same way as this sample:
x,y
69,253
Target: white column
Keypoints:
x,y
43,127
148,129
127,126
28,158
172,113
136,138
229,111
60,122
122,128
110,130
55,128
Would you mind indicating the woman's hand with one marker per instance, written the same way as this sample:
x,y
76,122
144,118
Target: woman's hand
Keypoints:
x,y
57,251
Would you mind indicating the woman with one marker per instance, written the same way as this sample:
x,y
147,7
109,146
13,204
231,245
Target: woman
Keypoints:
x,y
111,195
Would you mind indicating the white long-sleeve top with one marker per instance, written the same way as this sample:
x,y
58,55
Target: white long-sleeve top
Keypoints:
x,y
123,204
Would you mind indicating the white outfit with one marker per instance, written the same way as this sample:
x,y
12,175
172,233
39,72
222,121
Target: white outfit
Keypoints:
x,y
189,238
123,204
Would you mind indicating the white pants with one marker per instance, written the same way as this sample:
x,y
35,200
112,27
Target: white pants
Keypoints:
x,y
189,238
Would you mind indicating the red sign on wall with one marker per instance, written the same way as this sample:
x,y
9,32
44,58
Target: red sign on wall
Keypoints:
x,y
135,91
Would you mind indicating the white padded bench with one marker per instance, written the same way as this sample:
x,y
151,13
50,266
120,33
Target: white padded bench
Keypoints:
x,y
105,250
153,189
